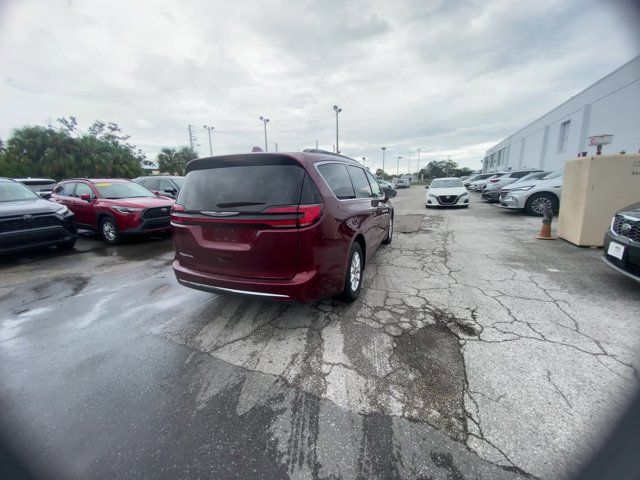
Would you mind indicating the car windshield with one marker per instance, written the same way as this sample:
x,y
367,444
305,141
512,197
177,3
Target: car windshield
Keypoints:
x,y
531,176
554,174
15,192
446,183
115,190
39,186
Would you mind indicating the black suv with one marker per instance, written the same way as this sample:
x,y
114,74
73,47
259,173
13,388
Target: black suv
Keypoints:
x,y
165,185
622,242
27,221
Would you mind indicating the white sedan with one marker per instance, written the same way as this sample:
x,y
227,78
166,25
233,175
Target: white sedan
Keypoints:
x,y
447,192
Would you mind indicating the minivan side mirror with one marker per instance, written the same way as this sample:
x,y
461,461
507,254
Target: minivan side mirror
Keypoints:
x,y
86,197
45,195
172,191
389,193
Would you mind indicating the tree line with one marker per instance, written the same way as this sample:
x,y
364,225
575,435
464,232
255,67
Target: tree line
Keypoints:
x,y
434,169
64,151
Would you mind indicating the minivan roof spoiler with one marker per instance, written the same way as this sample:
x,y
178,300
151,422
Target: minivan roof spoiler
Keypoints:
x,y
242,159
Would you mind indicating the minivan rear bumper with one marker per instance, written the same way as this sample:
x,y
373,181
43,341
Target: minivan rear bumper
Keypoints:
x,y
303,287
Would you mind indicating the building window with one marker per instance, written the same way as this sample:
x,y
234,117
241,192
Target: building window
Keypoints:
x,y
564,135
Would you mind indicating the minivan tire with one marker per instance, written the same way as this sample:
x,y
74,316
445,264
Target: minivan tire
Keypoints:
x,y
109,231
389,236
349,294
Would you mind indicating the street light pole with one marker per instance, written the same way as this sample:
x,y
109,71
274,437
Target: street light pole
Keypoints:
x,y
337,110
398,166
265,121
418,162
383,150
209,129
363,161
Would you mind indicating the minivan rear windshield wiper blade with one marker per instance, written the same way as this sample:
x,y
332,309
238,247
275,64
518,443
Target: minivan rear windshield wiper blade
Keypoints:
x,y
238,204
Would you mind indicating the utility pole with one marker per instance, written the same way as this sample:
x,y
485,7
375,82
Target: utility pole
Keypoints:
x,y
276,146
418,163
363,161
191,137
409,163
316,144
337,110
265,121
383,150
398,166
208,129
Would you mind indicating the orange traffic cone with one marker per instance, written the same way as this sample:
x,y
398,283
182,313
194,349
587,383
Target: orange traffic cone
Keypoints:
x,y
545,231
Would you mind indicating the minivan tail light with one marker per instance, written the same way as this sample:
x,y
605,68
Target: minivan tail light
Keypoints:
x,y
310,214
305,215
286,216
177,208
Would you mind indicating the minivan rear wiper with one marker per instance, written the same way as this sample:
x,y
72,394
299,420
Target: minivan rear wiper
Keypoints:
x,y
238,204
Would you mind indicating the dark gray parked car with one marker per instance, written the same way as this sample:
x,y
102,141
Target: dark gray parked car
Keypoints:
x,y
165,185
27,221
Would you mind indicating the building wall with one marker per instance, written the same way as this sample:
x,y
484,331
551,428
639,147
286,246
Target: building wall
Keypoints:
x,y
609,106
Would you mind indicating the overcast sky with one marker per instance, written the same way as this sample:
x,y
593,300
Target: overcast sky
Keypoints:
x,y
450,77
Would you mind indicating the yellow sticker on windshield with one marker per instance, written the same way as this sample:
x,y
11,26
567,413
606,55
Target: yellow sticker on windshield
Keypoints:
x,y
103,184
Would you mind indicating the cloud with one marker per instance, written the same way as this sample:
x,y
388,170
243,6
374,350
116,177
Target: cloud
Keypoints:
x,y
448,77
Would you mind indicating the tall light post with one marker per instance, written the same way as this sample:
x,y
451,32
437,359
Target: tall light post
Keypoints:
x,y
398,166
265,121
383,150
337,110
409,172
418,163
363,161
209,129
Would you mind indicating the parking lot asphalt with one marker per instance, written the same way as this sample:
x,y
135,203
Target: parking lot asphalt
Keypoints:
x,y
474,351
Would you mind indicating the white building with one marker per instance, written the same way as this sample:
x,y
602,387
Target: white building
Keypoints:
x,y
609,106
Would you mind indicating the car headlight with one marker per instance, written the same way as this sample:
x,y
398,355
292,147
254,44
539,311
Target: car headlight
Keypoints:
x,y
465,194
62,210
429,194
127,209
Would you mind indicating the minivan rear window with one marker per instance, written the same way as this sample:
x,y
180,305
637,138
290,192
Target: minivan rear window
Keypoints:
x,y
338,179
243,188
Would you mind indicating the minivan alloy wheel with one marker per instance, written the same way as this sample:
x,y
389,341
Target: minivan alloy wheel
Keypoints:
x,y
356,271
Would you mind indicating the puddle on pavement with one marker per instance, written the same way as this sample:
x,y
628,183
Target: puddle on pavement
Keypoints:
x,y
430,367
136,249
49,290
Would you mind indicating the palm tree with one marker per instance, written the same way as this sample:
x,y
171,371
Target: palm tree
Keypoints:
x,y
168,161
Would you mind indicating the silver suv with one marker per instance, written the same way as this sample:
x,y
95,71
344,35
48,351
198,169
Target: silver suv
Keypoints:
x,y
535,196
491,191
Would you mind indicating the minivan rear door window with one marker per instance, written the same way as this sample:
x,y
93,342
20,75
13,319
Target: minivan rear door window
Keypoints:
x,y
337,177
360,182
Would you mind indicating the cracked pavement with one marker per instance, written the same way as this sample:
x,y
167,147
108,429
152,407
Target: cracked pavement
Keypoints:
x,y
474,351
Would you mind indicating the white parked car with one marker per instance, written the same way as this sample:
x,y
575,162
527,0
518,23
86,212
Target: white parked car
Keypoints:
x,y
534,196
478,185
447,192
401,183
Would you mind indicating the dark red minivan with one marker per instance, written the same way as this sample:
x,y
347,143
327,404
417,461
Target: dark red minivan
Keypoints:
x,y
285,226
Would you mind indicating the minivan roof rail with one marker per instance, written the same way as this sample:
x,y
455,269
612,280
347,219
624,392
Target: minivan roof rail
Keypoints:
x,y
325,152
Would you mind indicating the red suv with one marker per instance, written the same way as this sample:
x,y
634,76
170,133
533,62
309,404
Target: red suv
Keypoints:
x,y
114,207
284,226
